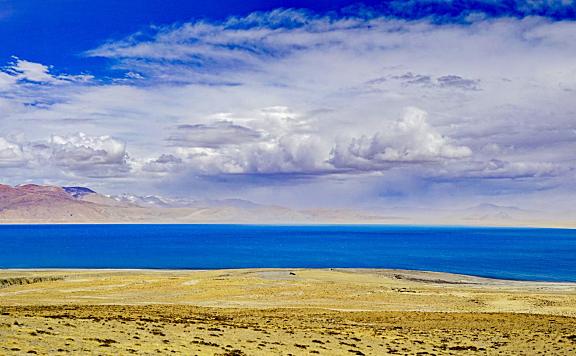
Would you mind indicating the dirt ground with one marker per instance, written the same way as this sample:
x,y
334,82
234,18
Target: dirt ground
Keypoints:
x,y
281,312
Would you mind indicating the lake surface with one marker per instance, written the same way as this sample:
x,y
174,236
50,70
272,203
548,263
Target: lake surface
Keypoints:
x,y
512,253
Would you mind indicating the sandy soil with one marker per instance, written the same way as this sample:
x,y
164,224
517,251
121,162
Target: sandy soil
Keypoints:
x,y
253,312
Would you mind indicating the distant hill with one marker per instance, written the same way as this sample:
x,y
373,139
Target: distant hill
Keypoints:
x,y
51,204
38,203
31,203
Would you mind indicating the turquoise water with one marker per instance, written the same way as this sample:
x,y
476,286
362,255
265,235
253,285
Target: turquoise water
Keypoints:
x,y
512,253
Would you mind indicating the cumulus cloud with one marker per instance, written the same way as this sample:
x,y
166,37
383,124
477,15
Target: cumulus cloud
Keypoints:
x,y
410,140
92,156
63,157
166,163
11,154
283,145
292,153
34,72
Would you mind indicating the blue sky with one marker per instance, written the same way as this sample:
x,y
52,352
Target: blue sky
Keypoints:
x,y
299,103
59,31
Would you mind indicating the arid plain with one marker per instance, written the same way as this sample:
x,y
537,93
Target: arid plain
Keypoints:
x,y
280,311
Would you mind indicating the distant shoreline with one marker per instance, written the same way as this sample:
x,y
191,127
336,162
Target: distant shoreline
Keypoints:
x,y
311,224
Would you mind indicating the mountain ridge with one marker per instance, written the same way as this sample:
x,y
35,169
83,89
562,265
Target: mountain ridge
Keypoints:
x,y
48,204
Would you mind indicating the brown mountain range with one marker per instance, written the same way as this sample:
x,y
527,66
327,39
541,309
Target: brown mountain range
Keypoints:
x,y
39,204
45,204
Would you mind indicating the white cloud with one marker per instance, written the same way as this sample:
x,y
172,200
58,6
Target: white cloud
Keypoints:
x,y
166,163
38,73
34,72
410,140
285,143
6,81
11,154
92,156
286,154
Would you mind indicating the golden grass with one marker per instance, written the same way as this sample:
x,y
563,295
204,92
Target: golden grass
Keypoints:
x,y
253,312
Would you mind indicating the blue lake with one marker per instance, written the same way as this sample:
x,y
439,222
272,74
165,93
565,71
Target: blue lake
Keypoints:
x,y
512,253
